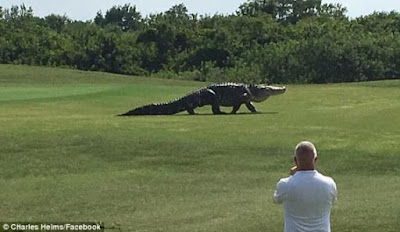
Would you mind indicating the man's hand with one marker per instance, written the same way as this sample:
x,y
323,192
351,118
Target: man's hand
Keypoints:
x,y
293,170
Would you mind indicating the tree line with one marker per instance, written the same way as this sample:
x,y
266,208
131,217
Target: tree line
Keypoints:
x,y
268,41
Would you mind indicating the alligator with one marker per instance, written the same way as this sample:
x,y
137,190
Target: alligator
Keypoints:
x,y
216,95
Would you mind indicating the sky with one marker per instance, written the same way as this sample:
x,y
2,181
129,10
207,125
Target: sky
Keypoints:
x,y
86,9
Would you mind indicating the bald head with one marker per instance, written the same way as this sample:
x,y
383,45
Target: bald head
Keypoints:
x,y
305,155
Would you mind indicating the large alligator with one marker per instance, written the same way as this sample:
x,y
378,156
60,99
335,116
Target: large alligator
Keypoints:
x,y
216,95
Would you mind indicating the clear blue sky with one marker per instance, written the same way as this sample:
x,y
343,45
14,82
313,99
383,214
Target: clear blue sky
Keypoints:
x,y
87,9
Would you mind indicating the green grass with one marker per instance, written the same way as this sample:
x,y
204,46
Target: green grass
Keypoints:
x,y
66,157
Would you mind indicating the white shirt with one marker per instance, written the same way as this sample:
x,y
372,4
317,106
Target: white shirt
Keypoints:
x,y
307,199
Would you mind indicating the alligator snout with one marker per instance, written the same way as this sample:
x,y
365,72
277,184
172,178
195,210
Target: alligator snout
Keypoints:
x,y
279,88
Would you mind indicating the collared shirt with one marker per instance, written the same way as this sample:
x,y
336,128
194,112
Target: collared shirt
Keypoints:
x,y
307,199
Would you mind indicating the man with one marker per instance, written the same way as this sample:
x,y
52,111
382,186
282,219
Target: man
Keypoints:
x,y
307,196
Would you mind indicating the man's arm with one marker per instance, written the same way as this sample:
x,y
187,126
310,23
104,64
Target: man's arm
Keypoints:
x,y
280,191
281,187
334,192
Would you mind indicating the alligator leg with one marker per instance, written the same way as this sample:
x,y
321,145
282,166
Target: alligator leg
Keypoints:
x,y
215,106
235,108
190,111
209,98
215,109
251,107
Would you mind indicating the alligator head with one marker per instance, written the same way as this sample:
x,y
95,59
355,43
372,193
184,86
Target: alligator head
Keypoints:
x,y
261,92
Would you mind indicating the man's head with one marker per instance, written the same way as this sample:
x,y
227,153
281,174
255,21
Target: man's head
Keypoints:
x,y
305,155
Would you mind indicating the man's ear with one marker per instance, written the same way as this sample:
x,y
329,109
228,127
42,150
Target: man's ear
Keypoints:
x,y
295,160
315,159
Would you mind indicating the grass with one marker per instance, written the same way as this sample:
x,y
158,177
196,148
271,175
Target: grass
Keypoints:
x,y
66,157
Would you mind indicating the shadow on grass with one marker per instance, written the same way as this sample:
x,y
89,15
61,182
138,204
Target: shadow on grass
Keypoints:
x,y
204,114
227,114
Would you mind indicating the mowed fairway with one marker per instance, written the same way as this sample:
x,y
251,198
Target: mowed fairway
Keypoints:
x,y
65,156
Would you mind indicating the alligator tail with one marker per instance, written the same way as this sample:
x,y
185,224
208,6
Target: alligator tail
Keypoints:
x,y
166,108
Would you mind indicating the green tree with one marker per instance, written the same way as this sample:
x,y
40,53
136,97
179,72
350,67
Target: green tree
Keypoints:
x,y
278,41
56,22
125,17
290,11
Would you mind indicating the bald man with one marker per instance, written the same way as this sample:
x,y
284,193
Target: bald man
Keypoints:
x,y
307,195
